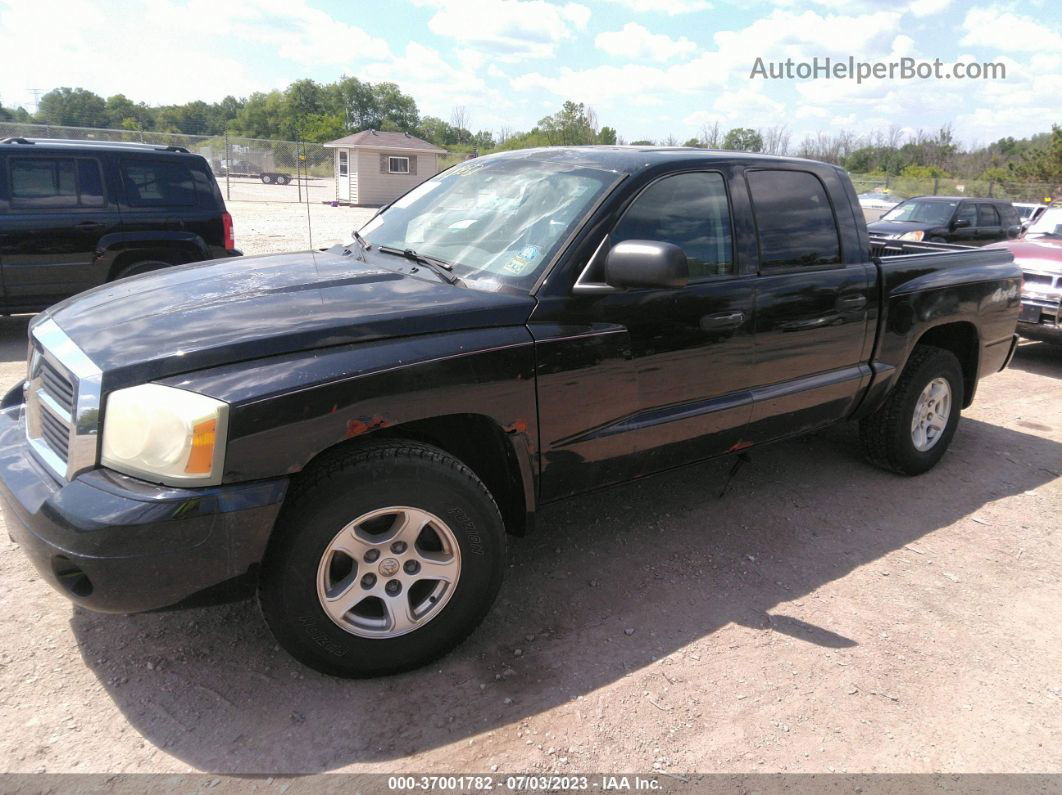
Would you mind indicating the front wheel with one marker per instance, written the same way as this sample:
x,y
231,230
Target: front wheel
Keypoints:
x,y
911,431
384,559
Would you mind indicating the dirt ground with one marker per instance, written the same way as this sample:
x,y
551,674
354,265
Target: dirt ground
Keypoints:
x,y
821,616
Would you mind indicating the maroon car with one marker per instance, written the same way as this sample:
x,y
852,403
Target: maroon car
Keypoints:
x,y
1039,255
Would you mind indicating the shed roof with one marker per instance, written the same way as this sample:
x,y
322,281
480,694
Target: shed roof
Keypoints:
x,y
376,139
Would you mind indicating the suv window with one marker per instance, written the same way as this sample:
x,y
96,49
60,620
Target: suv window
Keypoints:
x,y
55,183
967,212
794,219
987,215
690,211
157,183
1009,214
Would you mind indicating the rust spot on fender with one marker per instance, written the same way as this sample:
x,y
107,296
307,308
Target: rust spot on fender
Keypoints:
x,y
359,426
517,426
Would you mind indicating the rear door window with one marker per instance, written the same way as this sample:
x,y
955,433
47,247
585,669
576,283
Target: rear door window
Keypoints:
x,y
49,183
158,183
794,220
987,215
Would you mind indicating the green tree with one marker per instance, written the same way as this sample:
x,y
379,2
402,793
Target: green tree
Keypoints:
x,y
607,135
572,125
643,142
72,107
743,139
1044,163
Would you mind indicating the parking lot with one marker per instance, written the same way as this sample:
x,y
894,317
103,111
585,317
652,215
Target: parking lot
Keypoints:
x,y
822,615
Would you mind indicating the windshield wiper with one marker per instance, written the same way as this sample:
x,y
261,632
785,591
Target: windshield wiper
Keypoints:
x,y
440,267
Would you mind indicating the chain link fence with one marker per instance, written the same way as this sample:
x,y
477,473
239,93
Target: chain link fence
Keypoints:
x,y
900,188
256,169
247,169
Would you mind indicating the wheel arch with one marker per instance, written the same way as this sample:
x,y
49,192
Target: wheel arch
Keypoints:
x,y
961,339
496,455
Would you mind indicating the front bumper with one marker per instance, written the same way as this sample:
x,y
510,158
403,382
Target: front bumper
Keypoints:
x,y
1041,317
118,544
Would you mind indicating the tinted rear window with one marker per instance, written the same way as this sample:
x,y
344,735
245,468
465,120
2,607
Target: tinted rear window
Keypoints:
x,y
793,219
44,183
156,183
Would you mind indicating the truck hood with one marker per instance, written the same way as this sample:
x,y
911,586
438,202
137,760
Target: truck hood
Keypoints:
x,y
192,317
1041,253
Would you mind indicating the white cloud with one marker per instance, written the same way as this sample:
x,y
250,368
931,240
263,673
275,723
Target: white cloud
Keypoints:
x,y
671,7
1002,30
510,30
635,41
925,8
171,51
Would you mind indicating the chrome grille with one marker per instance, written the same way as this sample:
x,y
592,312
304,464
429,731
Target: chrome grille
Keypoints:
x,y
58,386
56,433
62,402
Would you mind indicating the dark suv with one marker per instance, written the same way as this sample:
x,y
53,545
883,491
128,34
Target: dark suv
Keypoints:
x,y
950,219
74,215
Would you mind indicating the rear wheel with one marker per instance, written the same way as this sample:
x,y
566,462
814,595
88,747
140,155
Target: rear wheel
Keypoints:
x,y
911,432
384,559
142,267
267,179
283,179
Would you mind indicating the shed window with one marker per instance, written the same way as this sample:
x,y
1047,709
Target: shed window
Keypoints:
x,y
398,165
343,162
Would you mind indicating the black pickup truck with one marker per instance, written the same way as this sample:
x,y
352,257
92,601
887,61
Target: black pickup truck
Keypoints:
x,y
355,430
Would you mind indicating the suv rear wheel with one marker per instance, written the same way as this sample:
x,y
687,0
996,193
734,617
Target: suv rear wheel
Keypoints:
x,y
911,432
384,559
142,267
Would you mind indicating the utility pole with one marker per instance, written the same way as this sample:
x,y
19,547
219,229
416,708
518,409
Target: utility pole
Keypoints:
x,y
36,92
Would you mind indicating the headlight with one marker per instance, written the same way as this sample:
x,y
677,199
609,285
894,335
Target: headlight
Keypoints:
x,y
165,435
917,234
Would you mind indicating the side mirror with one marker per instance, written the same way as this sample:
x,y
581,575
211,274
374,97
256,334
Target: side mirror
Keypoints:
x,y
960,223
646,263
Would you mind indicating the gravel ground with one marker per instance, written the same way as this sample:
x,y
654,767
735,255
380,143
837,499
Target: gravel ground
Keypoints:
x,y
273,227
821,616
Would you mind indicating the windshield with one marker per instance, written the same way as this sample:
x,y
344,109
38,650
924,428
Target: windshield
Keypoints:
x,y
924,212
498,221
1050,223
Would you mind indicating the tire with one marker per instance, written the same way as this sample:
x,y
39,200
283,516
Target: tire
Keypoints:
x,y
937,240
283,180
377,487
890,439
138,268
267,179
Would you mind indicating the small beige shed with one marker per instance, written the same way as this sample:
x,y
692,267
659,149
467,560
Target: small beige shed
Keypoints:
x,y
374,167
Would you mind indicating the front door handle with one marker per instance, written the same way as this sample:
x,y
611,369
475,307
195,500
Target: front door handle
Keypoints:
x,y
850,302
89,226
722,320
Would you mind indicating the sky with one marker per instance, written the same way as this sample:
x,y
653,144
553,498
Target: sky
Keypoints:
x,y
649,68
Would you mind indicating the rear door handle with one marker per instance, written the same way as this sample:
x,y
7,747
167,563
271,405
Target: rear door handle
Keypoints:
x,y
89,226
722,320
855,301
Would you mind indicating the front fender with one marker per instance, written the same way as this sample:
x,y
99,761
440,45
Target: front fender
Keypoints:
x,y
287,409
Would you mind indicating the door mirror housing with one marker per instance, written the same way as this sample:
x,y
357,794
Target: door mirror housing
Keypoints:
x,y
960,223
646,263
